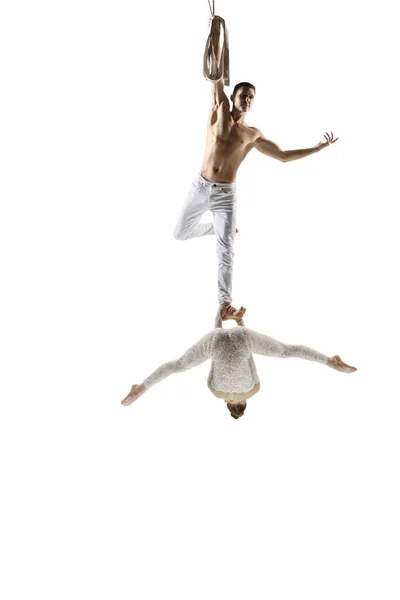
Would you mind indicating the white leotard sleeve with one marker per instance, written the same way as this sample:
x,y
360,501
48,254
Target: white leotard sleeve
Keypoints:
x,y
262,344
195,355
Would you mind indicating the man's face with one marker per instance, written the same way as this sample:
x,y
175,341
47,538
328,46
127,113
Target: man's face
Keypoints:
x,y
243,99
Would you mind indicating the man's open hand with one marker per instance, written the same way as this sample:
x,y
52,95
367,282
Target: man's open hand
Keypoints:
x,y
336,363
214,18
329,139
136,391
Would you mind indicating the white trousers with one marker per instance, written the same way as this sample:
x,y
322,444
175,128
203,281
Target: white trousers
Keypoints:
x,y
220,199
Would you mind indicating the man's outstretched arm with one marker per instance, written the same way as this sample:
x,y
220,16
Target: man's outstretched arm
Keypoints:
x,y
267,346
271,149
195,355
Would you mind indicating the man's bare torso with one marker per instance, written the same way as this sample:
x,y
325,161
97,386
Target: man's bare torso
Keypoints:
x,y
227,145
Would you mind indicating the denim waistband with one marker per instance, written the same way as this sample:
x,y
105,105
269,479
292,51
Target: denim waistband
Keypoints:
x,y
208,182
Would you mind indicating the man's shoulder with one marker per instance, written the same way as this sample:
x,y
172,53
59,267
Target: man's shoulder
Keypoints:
x,y
255,131
253,134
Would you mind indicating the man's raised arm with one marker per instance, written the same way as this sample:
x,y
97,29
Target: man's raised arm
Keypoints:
x,y
271,149
218,94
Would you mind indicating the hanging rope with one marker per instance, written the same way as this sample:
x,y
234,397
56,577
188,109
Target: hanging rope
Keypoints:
x,y
211,70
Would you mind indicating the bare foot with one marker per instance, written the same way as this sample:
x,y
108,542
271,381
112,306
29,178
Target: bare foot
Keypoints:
x,y
237,230
136,391
336,363
230,312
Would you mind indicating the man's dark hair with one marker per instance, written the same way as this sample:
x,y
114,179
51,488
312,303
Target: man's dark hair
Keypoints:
x,y
236,409
243,84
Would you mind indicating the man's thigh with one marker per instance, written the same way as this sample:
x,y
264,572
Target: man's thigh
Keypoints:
x,y
224,212
196,202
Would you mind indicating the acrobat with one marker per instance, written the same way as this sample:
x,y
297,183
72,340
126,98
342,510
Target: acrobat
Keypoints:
x,y
229,140
233,374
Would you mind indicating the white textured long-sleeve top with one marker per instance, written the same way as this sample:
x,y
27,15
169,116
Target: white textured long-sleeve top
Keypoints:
x,y
232,369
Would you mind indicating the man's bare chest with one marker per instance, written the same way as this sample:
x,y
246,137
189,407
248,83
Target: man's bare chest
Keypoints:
x,y
232,136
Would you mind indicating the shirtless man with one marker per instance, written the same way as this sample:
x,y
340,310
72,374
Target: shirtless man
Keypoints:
x,y
229,140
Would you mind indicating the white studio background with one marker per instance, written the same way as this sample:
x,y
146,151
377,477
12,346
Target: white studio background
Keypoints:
x,y
103,121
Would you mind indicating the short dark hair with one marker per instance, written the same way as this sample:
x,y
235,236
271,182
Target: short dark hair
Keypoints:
x,y
243,84
236,408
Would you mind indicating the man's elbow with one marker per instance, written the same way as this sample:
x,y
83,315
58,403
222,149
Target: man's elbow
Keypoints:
x,y
283,156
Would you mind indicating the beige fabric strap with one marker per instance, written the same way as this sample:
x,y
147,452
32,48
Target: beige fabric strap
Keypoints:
x,y
210,70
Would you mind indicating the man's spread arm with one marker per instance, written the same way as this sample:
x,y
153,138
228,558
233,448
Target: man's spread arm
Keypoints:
x,y
271,149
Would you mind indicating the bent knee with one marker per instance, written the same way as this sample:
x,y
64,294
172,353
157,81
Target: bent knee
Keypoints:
x,y
179,234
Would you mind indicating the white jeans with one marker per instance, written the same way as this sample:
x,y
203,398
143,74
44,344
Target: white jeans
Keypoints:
x,y
220,199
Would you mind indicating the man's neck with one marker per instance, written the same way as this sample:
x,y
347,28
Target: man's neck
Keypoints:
x,y
238,117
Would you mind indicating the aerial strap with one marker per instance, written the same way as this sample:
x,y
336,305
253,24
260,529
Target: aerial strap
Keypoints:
x,y
211,70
